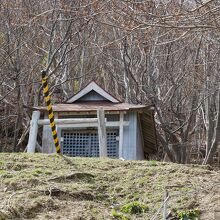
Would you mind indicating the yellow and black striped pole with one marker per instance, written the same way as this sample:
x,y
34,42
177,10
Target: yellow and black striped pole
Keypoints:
x,y
47,100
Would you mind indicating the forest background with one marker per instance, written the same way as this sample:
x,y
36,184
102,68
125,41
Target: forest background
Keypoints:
x,y
163,53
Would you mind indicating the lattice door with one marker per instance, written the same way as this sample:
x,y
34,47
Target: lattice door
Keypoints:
x,y
86,143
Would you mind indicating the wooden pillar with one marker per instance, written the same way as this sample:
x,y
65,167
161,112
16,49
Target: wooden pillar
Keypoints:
x,y
102,133
33,132
121,132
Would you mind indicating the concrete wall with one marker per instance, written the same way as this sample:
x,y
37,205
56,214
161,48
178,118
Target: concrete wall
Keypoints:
x,y
47,138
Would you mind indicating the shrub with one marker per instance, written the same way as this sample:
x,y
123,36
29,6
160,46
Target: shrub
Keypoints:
x,y
135,208
188,214
118,215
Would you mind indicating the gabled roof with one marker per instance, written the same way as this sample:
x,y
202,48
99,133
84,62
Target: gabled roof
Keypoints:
x,y
92,107
92,88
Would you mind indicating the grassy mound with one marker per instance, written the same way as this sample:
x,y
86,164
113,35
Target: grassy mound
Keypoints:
x,y
39,186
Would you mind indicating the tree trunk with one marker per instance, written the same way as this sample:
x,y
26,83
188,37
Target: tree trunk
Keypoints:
x,y
216,136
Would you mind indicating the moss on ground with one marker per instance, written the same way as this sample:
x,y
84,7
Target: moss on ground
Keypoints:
x,y
40,186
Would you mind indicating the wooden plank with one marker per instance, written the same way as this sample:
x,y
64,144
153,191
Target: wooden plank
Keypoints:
x,y
90,125
33,132
102,133
121,132
148,129
82,125
141,131
69,121
60,114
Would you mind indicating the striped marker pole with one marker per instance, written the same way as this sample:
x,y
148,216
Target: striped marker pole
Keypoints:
x,y
47,100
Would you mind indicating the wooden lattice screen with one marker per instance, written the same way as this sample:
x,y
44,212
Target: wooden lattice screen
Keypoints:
x,y
85,143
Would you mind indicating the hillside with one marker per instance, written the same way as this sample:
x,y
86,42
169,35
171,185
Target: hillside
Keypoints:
x,y
42,186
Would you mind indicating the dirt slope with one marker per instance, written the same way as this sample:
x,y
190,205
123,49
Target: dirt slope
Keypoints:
x,y
42,186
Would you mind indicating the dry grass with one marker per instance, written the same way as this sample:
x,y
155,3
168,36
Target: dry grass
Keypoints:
x,y
39,186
